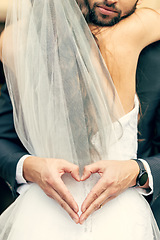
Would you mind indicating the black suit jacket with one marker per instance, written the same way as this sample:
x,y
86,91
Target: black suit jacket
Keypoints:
x,y
148,89
11,149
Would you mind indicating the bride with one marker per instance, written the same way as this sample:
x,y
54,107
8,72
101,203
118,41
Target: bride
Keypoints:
x,y
66,106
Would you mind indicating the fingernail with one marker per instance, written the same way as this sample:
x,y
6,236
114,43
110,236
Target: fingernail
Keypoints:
x,y
84,210
82,220
82,178
76,210
75,220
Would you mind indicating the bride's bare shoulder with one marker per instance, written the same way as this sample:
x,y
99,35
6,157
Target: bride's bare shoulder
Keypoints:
x,y
139,29
143,24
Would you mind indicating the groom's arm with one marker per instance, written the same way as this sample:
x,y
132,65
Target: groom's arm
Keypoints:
x,y
154,163
153,158
45,172
11,149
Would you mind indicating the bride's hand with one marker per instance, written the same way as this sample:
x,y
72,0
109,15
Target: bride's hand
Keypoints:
x,y
47,173
116,176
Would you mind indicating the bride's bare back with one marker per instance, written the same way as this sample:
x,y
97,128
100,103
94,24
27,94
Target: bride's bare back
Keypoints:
x,y
120,46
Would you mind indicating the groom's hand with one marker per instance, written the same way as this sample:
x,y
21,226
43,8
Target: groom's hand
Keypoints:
x,y
47,173
116,176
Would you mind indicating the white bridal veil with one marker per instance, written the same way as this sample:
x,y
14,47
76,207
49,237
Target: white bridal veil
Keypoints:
x,y
60,88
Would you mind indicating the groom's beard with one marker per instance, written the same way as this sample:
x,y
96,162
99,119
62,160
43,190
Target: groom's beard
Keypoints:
x,y
92,16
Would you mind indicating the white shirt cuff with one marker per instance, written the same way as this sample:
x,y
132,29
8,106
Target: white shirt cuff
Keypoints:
x,y
24,185
19,176
149,191
19,170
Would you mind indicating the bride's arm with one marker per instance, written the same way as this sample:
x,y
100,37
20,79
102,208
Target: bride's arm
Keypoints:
x,y
1,42
145,23
7,49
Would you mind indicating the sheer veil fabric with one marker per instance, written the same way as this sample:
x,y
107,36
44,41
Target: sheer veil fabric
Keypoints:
x,y
62,96
61,90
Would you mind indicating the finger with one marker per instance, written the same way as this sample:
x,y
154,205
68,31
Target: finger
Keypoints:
x,y
54,195
58,185
96,191
88,170
107,200
96,205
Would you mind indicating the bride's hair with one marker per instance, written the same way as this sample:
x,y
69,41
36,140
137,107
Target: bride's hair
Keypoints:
x,y
84,6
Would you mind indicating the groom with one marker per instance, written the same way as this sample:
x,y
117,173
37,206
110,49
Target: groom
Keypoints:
x,y
18,167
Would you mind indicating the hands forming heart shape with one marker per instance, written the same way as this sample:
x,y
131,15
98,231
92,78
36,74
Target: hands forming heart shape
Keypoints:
x,y
116,176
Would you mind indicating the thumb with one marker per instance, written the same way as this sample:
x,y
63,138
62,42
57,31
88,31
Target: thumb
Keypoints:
x,y
73,170
75,173
88,170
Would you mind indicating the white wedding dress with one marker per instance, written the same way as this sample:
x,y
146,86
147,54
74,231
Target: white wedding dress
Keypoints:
x,y
34,216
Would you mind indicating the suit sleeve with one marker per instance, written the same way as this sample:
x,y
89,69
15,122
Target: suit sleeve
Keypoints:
x,y
148,89
154,160
11,149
